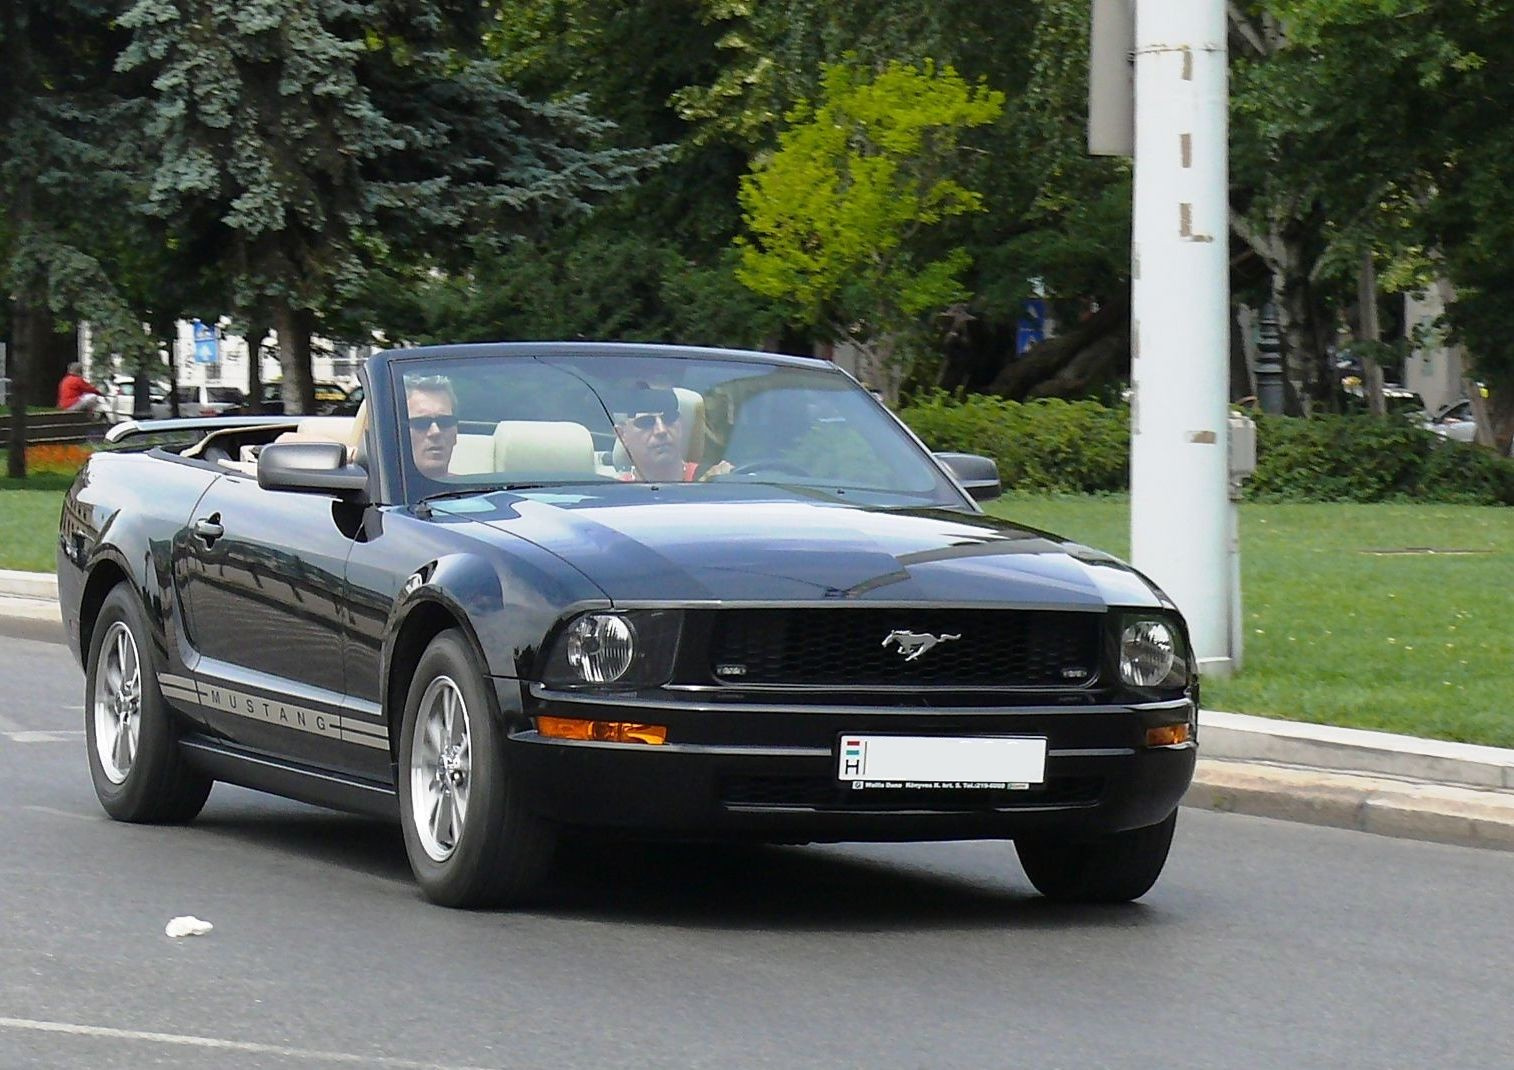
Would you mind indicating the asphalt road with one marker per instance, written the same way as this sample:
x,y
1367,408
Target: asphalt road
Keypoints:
x,y
1264,945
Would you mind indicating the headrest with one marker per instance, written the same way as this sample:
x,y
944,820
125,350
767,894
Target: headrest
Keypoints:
x,y
543,448
327,428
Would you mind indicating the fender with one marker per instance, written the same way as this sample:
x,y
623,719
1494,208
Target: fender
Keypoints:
x,y
106,521
502,614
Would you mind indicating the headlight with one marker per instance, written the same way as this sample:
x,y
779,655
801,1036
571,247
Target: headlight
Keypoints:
x,y
1151,654
624,650
600,647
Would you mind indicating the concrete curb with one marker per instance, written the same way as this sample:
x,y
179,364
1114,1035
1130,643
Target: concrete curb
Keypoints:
x,y
1377,782
1442,813
1239,736
28,584
31,608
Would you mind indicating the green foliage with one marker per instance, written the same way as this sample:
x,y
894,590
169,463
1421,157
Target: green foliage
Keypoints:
x,y
834,217
593,284
66,165
1048,444
1361,459
1041,445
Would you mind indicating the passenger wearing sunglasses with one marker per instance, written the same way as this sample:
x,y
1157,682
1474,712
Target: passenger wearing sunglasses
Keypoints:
x,y
431,406
648,423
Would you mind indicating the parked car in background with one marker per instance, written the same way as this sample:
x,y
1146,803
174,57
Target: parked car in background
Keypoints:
x,y
121,392
1455,421
331,399
195,400
203,400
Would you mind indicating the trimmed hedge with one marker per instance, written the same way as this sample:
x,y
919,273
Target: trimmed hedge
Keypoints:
x,y
1084,447
1046,444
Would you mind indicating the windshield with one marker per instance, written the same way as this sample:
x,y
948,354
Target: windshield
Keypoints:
x,y
614,419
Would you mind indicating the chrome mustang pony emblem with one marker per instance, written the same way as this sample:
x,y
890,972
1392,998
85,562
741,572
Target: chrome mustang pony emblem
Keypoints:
x,y
913,644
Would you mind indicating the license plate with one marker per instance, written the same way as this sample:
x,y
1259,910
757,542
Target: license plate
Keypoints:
x,y
936,762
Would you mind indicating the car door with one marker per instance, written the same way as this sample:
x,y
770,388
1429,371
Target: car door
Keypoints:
x,y
263,591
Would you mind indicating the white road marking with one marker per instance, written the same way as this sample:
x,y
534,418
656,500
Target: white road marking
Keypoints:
x,y
52,735
219,1044
8,726
62,813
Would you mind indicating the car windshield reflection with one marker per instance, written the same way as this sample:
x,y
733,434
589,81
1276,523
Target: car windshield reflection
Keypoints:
x,y
609,421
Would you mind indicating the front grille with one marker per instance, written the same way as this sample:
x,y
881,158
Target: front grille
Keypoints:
x,y
845,647
822,793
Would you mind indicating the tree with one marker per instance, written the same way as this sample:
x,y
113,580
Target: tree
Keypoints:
x,y
64,172
838,218
326,136
1383,130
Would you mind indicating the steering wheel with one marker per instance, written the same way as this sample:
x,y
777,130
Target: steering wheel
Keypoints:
x,y
767,464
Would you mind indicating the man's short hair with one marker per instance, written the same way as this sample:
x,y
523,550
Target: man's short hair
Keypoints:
x,y
431,384
74,368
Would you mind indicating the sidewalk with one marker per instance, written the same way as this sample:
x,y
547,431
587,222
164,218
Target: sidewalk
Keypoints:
x,y
1421,789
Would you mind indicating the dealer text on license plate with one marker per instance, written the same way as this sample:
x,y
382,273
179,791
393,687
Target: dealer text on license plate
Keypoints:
x,y
936,762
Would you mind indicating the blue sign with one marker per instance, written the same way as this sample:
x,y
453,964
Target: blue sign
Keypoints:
x,y
1032,326
207,344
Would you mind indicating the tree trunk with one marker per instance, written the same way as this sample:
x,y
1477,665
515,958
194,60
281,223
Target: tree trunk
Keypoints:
x,y
1370,331
166,334
1302,358
1071,364
257,330
1499,409
878,367
294,357
18,366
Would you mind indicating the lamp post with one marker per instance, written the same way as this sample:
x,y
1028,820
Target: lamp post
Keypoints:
x,y
1179,477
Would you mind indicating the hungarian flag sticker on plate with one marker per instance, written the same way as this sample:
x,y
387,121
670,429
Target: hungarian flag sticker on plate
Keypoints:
x,y
941,762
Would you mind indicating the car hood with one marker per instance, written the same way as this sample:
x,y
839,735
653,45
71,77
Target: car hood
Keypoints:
x,y
782,551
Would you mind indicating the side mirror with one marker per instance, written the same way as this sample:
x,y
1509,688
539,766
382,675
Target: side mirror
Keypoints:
x,y
979,476
311,466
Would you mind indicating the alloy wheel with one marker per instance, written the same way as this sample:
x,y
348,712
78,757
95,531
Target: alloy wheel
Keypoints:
x,y
118,702
441,769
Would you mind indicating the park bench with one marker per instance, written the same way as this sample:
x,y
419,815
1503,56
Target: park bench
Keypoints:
x,y
54,427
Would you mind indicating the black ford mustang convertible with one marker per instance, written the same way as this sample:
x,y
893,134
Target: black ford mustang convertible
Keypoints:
x,y
533,589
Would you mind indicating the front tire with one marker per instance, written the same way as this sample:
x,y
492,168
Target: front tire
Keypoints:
x,y
133,741
470,840
1110,869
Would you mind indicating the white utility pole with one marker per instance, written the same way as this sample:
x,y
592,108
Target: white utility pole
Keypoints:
x,y
1180,335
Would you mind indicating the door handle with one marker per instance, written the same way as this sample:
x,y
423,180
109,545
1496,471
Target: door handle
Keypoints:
x,y
209,529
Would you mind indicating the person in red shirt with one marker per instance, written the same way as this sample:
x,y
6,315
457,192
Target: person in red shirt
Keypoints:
x,y
78,394
648,425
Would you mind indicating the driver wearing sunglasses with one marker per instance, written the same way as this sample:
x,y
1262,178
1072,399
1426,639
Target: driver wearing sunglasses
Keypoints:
x,y
431,407
648,422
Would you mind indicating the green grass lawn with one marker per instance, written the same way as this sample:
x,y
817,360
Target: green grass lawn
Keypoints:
x,y
29,511
1340,632
1337,631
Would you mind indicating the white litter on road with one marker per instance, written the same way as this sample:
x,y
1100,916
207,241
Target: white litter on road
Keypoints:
x,y
188,925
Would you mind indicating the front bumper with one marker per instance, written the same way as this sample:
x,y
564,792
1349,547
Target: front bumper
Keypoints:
x,y
769,772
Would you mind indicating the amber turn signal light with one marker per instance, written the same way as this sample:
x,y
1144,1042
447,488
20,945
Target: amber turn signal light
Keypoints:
x,y
1169,735
601,731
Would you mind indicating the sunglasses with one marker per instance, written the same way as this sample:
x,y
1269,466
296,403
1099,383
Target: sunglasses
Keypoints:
x,y
647,421
444,421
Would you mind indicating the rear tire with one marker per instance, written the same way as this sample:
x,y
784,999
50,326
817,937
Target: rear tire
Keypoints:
x,y
133,740
1111,869
470,840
